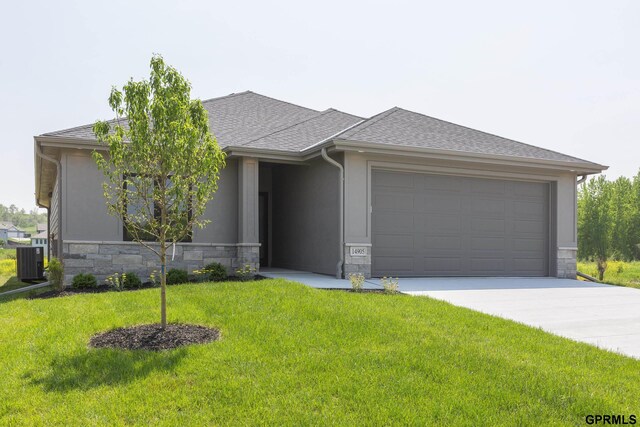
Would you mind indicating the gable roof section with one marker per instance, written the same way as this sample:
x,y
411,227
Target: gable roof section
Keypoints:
x,y
399,127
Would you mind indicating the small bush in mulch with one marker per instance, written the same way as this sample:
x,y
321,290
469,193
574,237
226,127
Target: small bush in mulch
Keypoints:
x,y
131,281
153,337
84,281
176,276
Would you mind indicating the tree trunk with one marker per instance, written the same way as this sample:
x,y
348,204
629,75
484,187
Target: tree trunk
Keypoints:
x,y
163,286
602,267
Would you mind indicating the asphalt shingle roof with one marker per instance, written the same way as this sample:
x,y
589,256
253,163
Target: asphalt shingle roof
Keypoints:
x,y
405,128
248,119
235,119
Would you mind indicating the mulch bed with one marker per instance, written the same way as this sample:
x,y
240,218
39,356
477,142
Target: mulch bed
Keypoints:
x,y
153,337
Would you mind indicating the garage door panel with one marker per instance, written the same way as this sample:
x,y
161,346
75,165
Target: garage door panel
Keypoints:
x,y
441,184
484,226
487,265
535,245
442,265
458,226
395,265
443,242
394,201
396,241
530,189
437,223
488,206
389,179
536,228
441,203
487,243
487,186
394,223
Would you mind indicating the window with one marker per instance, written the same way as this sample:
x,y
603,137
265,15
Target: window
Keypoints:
x,y
138,213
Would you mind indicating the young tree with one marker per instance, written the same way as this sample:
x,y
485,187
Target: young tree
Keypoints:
x,y
594,222
163,163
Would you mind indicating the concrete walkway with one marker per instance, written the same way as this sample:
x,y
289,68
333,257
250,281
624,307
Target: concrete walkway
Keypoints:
x,y
314,280
602,315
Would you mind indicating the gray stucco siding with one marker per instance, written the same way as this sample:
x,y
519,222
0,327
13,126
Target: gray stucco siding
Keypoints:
x,y
305,217
86,218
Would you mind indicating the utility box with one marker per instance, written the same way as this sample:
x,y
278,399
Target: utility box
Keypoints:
x,y
30,263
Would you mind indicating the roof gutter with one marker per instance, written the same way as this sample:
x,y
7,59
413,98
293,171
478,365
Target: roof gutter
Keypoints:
x,y
581,180
55,161
340,263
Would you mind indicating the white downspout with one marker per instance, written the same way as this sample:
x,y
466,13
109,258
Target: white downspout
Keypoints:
x,y
59,177
341,209
581,180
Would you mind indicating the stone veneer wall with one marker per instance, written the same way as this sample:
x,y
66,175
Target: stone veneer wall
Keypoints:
x,y
567,263
103,259
357,264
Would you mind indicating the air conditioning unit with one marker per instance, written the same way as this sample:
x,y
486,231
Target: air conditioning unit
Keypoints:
x,y
30,262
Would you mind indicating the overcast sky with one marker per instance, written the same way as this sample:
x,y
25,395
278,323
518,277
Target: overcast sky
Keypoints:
x,y
562,75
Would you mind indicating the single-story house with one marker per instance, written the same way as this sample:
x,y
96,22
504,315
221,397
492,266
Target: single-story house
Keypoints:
x,y
10,231
399,193
41,240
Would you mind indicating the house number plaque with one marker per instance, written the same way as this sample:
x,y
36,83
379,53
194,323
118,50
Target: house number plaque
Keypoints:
x,y
358,251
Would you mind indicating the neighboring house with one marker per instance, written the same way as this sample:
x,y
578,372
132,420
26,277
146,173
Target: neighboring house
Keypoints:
x,y
10,231
422,197
42,240
41,227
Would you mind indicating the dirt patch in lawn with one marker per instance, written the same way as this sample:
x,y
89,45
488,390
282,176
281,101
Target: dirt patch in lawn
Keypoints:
x,y
153,337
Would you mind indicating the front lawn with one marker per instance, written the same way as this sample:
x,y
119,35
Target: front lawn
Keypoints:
x,y
291,355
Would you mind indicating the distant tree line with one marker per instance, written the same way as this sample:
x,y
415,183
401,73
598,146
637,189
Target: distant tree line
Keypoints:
x,y
20,217
609,220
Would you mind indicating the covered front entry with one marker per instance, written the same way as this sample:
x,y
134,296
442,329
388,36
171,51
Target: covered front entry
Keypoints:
x,y
439,225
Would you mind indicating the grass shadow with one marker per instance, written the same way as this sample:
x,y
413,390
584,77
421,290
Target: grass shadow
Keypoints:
x,y
103,367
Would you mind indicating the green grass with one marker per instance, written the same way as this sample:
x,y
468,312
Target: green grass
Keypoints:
x,y
618,272
291,355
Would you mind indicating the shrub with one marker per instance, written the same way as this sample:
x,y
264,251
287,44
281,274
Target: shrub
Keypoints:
x,y
153,278
55,274
116,282
84,281
176,276
245,273
390,285
215,272
357,281
2,242
131,280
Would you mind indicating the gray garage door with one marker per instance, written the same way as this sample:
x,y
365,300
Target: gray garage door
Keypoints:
x,y
437,225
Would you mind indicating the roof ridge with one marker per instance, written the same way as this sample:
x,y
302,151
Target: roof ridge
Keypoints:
x,y
493,134
284,102
368,122
283,128
231,95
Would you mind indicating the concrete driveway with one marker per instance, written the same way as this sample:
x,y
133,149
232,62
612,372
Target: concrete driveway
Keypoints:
x,y
602,315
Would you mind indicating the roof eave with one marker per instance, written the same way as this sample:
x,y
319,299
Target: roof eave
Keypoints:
x,y
580,168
